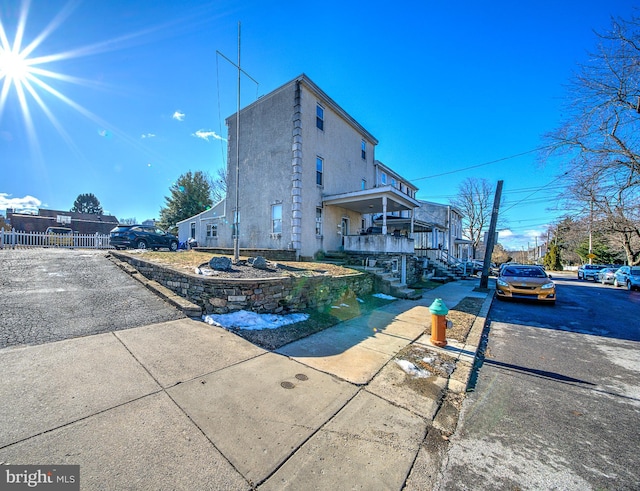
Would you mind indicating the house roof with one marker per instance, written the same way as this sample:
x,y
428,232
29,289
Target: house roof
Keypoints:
x,y
394,174
326,100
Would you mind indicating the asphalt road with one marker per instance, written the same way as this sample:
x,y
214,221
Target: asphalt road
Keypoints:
x,y
53,294
557,399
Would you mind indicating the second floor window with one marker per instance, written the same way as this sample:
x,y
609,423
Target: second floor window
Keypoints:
x,y
364,184
320,117
383,178
363,149
276,219
319,166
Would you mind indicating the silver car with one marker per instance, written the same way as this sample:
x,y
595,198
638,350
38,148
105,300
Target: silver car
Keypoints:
x,y
606,276
628,276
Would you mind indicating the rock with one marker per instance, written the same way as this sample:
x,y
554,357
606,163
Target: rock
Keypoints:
x,y
259,263
220,263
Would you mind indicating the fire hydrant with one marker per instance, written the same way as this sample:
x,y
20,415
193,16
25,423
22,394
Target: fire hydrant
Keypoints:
x,y
438,322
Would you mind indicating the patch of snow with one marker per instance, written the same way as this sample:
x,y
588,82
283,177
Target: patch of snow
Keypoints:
x,y
413,370
360,300
252,321
384,296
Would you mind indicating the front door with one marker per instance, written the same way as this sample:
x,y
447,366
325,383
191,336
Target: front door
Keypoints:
x,y
344,228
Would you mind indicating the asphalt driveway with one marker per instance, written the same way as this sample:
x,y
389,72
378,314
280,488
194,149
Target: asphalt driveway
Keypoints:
x,y
54,294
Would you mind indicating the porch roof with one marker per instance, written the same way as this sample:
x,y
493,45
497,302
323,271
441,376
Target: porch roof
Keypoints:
x,y
370,200
404,222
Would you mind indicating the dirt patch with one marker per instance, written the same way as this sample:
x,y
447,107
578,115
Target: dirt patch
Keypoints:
x,y
422,365
462,317
191,261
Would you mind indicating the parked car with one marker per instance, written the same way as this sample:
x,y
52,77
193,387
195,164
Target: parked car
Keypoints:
x,y
525,282
589,271
142,237
606,275
628,276
59,236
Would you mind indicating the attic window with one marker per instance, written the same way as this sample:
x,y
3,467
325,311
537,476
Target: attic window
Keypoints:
x,y
320,117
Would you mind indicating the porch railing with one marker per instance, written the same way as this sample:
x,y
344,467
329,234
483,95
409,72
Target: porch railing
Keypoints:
x,y
379,243
17,239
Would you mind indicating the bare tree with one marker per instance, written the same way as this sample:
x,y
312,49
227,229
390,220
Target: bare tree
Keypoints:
x,y
475,203
218,185
600,138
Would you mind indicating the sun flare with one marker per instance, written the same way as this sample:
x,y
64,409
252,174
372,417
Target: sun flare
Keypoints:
x,y
13,67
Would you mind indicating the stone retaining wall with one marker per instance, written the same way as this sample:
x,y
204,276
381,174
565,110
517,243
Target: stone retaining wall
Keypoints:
x,y
263,295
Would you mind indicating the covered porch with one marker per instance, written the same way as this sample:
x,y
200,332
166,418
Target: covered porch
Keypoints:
x,y
386,236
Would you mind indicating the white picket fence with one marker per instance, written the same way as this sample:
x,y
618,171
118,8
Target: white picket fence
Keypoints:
x,y
16,239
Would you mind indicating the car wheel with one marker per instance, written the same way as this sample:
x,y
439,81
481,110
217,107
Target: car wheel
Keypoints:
x,y
615,283
629,287
141,244
173,247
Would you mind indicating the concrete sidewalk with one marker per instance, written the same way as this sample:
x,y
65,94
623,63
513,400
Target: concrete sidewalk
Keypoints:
x,y
184,405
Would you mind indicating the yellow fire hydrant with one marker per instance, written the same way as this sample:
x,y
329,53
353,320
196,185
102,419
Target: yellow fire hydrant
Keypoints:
x,y
438,323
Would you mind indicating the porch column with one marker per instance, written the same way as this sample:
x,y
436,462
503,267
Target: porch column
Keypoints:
x,y
412,218
384,215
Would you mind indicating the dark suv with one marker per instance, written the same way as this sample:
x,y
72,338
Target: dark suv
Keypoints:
x,y
142,237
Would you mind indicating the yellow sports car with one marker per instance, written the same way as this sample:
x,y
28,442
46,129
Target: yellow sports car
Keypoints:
x,y
527,282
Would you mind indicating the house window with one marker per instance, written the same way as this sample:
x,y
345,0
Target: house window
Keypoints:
x,y
363,147
235,226
276,219
212,230
393,182
383,178
193,230
364,184
318,221
320,117
319,166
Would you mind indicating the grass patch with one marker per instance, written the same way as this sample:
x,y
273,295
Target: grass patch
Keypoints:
x,y
318,320
425,285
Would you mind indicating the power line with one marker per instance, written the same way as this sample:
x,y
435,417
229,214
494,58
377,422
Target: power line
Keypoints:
x,y
528,196
485,163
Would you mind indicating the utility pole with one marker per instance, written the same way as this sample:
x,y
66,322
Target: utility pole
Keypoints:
x,y
484,279
236,211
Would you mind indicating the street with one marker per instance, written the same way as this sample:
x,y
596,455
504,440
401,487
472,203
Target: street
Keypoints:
x,y
557,399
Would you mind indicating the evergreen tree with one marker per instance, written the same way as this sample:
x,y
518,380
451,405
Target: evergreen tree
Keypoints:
x,y
87,203
552,259
190,195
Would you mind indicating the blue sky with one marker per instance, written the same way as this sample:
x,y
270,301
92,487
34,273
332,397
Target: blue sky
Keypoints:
x,y
138,95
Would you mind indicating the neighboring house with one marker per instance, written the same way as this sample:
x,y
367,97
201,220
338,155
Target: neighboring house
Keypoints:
x,y
443,232
203,227
80,223
309,182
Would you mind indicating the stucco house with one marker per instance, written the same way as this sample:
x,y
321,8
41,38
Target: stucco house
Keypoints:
x,y
308,182
442,236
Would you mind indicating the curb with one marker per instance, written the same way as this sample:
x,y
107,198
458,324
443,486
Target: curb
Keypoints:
x,y
446,419
187,308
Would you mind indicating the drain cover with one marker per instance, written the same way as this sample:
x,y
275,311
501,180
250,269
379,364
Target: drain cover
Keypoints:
x,y
287,385
301,376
